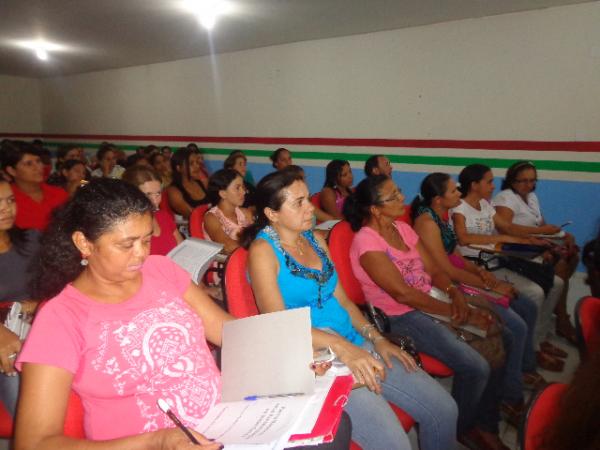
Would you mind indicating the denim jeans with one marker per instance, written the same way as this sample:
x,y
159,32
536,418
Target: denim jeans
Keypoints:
x,y
514,338
532,291
376,427
527,310
9,392
471,370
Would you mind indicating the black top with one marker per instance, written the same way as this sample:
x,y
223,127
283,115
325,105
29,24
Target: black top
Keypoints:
x,y
15,276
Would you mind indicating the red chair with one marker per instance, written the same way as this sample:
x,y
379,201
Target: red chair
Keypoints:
x,y
240,302
587,324
315,199
540,416
406,216
340,238
73,420
196,220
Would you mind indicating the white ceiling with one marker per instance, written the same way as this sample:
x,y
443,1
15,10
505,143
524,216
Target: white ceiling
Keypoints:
x,y
106,34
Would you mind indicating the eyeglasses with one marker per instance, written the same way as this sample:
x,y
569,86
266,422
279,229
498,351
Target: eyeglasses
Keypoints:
x,y
392,198
527,181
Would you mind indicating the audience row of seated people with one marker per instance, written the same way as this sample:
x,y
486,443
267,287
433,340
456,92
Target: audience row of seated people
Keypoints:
x,y
107,292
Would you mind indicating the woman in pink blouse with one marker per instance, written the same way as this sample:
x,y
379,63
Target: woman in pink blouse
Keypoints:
x,y
224,221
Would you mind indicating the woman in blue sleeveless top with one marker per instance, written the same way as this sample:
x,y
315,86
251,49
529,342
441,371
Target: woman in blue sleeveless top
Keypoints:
x,y
290,267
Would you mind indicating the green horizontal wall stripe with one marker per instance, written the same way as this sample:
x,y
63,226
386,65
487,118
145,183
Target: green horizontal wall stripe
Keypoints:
x,y
458,161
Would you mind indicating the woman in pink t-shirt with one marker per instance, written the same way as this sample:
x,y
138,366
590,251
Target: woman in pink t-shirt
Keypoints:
x,y
122,329
396,274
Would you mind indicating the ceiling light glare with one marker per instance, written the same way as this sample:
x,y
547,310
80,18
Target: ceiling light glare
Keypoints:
x,y
208,11
41,54
40,48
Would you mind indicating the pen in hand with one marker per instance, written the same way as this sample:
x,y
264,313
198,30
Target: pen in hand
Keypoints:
x,y
164,407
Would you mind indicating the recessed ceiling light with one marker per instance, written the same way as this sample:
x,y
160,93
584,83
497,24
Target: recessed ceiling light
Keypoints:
x,y
207,11
41,48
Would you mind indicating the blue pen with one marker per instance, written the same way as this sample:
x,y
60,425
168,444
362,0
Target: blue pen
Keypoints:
x,y
258,397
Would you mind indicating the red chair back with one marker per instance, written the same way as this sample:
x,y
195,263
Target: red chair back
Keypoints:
x,y
587,321
406,216
340,238
73,420
239,298
541,414
196,220
315,199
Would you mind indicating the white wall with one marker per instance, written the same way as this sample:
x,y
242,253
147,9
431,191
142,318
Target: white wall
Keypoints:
x,y
532,76
20,109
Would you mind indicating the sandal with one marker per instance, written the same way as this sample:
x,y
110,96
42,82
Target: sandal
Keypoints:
x,y
477,439
513,413
549,362
533,381
553,350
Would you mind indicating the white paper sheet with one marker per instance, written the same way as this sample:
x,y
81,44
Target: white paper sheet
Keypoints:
x,y
259,424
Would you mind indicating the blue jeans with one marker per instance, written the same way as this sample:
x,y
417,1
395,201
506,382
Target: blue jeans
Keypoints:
x,y
376,427
528,311
9,392
514,338
471,370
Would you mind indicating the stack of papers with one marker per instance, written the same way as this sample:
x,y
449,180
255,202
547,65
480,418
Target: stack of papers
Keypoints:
x,y
195,256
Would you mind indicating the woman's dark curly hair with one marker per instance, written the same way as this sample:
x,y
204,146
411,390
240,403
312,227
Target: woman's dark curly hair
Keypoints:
x,y
220,181
357,206
269,194
94,210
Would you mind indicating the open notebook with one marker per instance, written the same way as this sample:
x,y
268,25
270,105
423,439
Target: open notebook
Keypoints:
x,y
195,256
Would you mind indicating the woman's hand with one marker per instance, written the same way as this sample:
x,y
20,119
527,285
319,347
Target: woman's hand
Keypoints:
x,y
365,368
505,288
549,229
386,350
175,439
320,368
480,319
10,345
460,307
489,280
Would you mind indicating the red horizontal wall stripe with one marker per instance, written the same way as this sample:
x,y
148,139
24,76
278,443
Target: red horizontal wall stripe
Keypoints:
x,y
552,146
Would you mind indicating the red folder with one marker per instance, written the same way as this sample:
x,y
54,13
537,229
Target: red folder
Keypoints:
x,y
329,418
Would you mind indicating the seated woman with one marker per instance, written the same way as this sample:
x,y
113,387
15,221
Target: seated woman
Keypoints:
x,y
224,221
438,194
17,250
518,204
186,192
121,329
63,154
162,165
165,235
202,175
320,215
396,274
337,187
475,222
281,158
35,199
237,161
70,177
290,267
107,156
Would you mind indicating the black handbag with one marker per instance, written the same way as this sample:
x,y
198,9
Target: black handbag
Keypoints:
x,y
541,274
381,321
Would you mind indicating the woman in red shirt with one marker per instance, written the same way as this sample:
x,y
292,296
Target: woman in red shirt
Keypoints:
x,y
35,199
